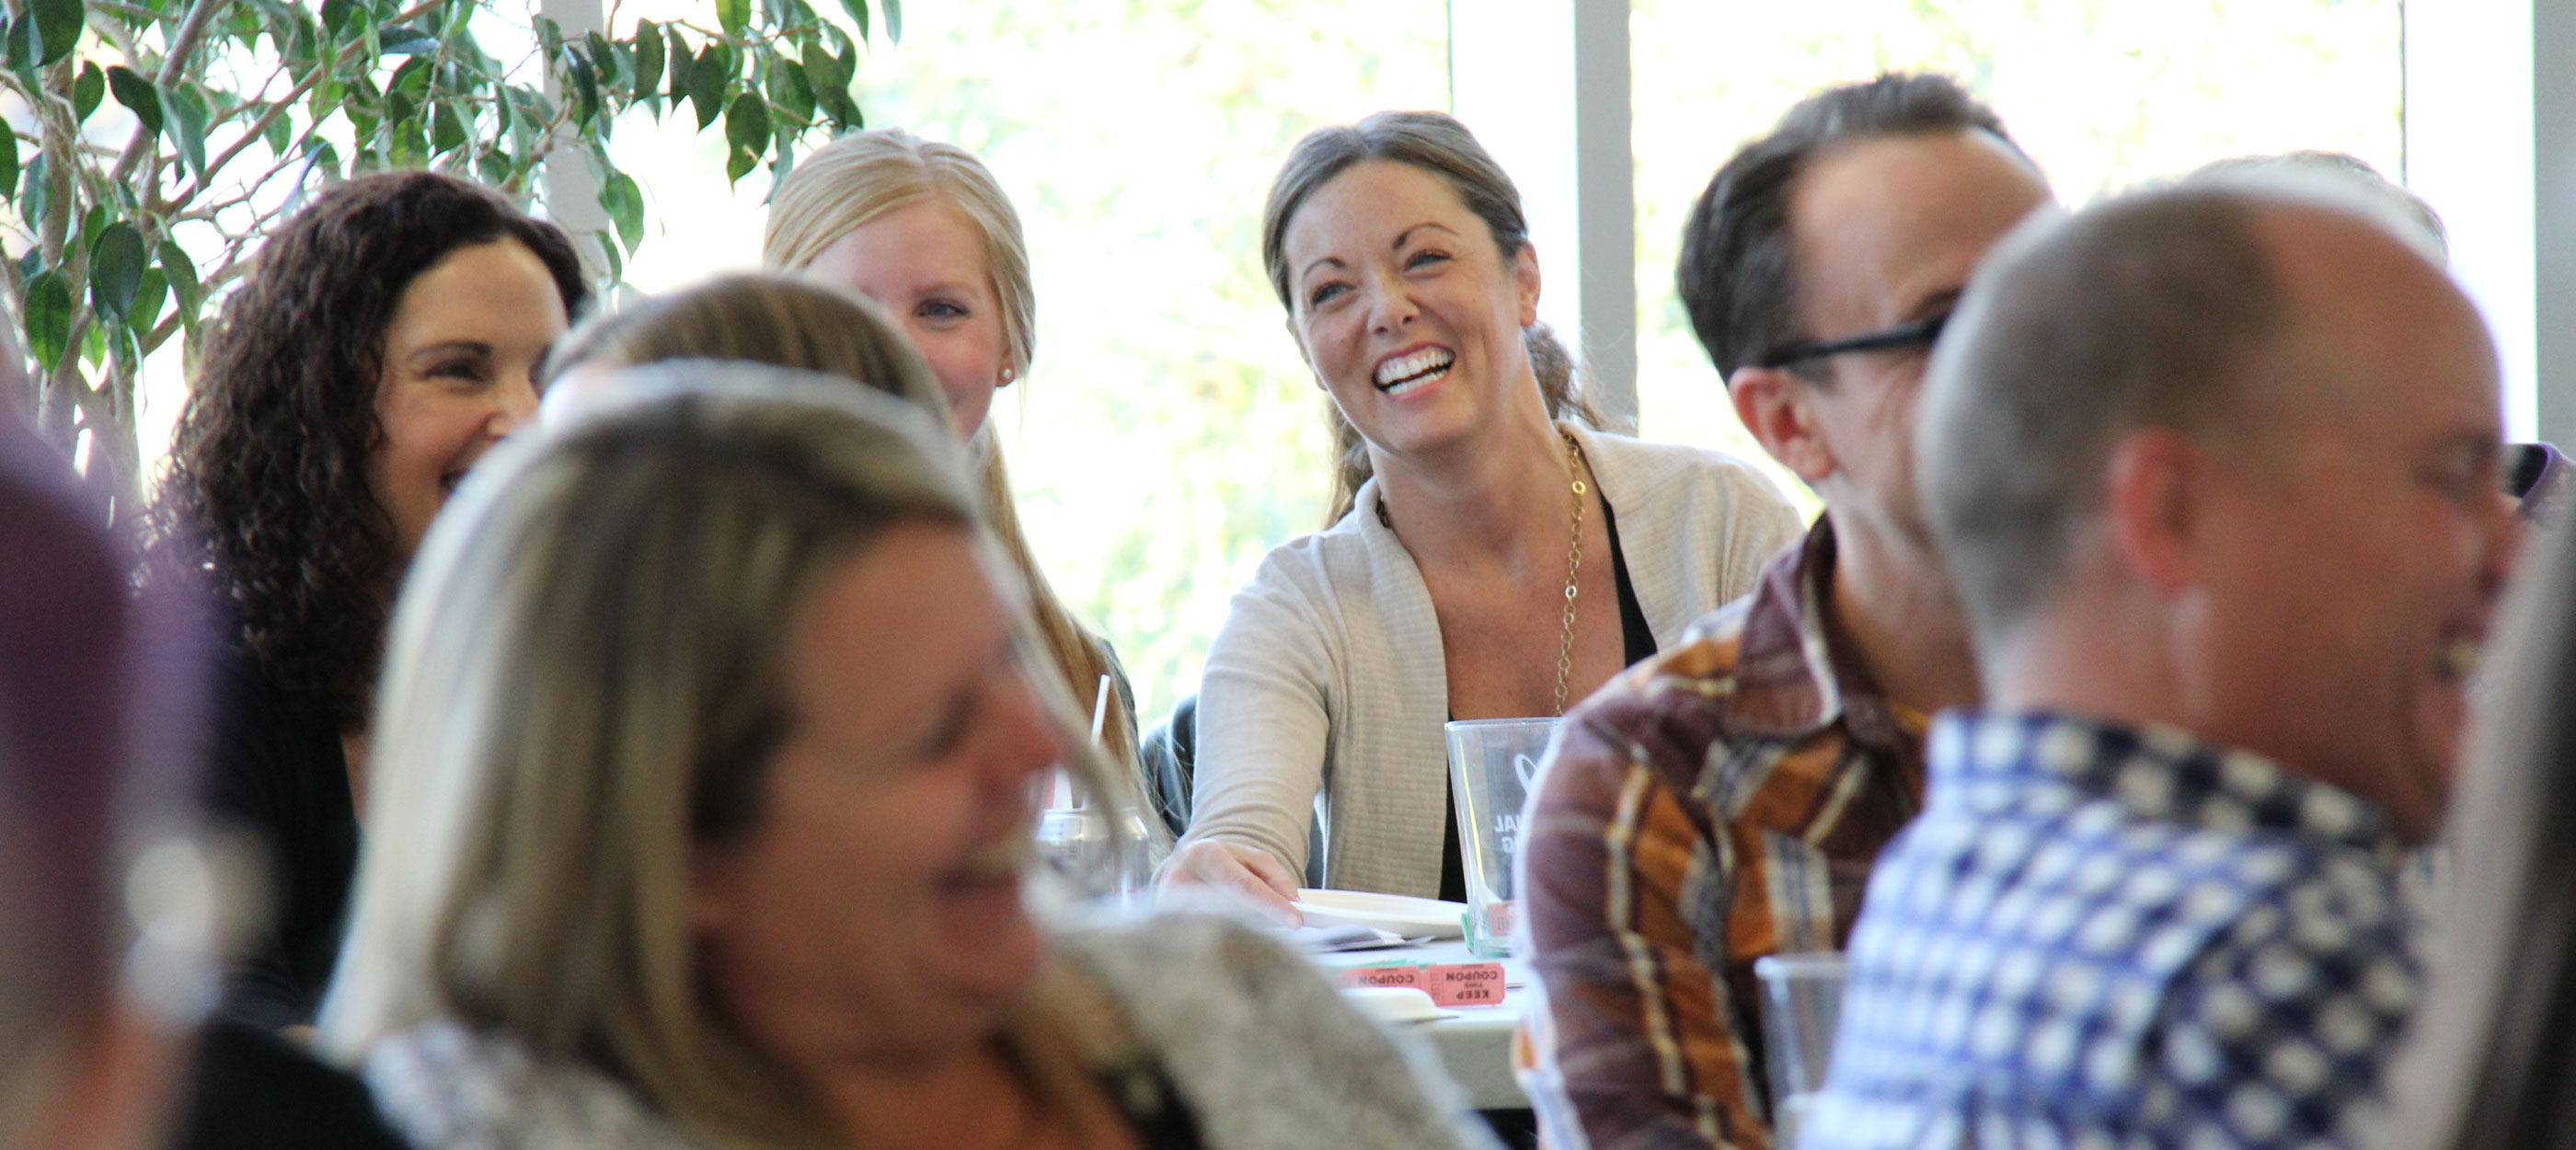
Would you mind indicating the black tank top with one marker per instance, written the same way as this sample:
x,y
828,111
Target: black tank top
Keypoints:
x,y
1635,636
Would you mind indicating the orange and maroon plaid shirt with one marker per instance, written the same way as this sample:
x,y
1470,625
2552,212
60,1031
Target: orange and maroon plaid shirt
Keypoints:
x,y
1717,803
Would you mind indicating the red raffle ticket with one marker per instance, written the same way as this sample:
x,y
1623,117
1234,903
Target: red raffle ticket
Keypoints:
x,y
1449,984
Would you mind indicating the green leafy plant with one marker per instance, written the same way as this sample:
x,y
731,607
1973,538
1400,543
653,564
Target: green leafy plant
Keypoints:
x,y
234,110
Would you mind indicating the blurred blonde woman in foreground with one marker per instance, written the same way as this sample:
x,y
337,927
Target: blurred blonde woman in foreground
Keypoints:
x,y
707,733
775,319
924,231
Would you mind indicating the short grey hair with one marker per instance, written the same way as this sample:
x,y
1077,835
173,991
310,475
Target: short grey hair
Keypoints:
x,y
2143,311
2344,176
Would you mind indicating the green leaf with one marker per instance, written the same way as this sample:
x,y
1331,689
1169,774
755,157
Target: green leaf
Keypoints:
x,y
447,129
782,159
336,13
403,40
747,130
625,204
187,127
149,293
585,84
49,319
409,147
412,79
648,58
707,81
302,51
399,107
57,26
9,164
139,97
858,10
789,90
836,95
280,133
822,70
683,81
87,90
894,20
747,123
734,14
36,200
116,264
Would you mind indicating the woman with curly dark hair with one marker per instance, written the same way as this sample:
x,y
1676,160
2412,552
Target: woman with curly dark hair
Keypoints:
x,y
388,335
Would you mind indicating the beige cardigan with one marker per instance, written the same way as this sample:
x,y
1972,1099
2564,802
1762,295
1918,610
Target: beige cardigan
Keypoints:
x,y
1327,676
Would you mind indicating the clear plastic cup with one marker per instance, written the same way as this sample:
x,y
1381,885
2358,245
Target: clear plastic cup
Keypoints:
x,y
1802,1002
1492,764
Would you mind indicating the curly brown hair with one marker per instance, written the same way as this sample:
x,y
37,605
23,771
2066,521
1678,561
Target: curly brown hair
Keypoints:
x,y
267,498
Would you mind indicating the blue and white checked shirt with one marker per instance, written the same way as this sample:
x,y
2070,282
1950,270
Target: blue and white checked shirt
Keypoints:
x,y
2101,937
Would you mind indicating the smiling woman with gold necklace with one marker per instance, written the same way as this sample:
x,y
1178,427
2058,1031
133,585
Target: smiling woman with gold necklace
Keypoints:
x,y
1490,554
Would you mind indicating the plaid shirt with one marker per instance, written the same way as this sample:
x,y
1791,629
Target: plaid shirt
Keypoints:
x,y
2107,937
1716,804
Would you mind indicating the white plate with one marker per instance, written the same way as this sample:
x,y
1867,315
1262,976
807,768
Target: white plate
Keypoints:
x,y
1407,916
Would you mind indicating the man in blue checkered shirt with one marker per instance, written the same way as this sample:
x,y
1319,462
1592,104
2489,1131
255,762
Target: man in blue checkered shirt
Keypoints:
x,y
2215,469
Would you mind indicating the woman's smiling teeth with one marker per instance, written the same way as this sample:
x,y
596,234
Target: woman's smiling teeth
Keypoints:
x,y
1405,373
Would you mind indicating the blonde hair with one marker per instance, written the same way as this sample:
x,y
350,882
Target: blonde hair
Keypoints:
x,y
585,681
759,318
864,175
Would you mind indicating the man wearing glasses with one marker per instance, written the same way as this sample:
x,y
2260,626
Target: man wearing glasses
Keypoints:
x,y
1724,800
2213,468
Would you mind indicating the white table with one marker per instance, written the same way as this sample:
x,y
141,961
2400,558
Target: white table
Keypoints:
x,y
1475,1043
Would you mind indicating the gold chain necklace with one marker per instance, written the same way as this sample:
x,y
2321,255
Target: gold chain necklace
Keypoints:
x,y
1573,566
1573,560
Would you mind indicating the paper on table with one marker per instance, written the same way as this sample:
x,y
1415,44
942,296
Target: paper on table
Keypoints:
x,y
1331,939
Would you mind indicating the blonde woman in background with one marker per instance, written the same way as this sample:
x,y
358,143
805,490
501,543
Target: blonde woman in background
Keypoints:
x,y
922,229
707,734
748,317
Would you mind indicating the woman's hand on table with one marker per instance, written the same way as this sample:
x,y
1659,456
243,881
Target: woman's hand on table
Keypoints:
x,y
1249,872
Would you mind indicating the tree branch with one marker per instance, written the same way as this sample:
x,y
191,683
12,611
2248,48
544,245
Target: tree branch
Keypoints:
x,y
117,36
53,121
256,130
174,64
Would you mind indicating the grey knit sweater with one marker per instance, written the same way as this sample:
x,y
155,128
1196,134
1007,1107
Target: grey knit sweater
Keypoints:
x,y
1327,675
1259,1047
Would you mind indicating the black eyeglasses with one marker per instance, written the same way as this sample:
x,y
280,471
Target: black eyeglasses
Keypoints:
x,y
1922,331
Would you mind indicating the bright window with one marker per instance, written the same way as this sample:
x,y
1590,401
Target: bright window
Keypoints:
x,y
2103,93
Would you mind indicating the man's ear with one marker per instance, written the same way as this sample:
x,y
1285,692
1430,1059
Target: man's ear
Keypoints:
x,y
1779,409
2153,485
